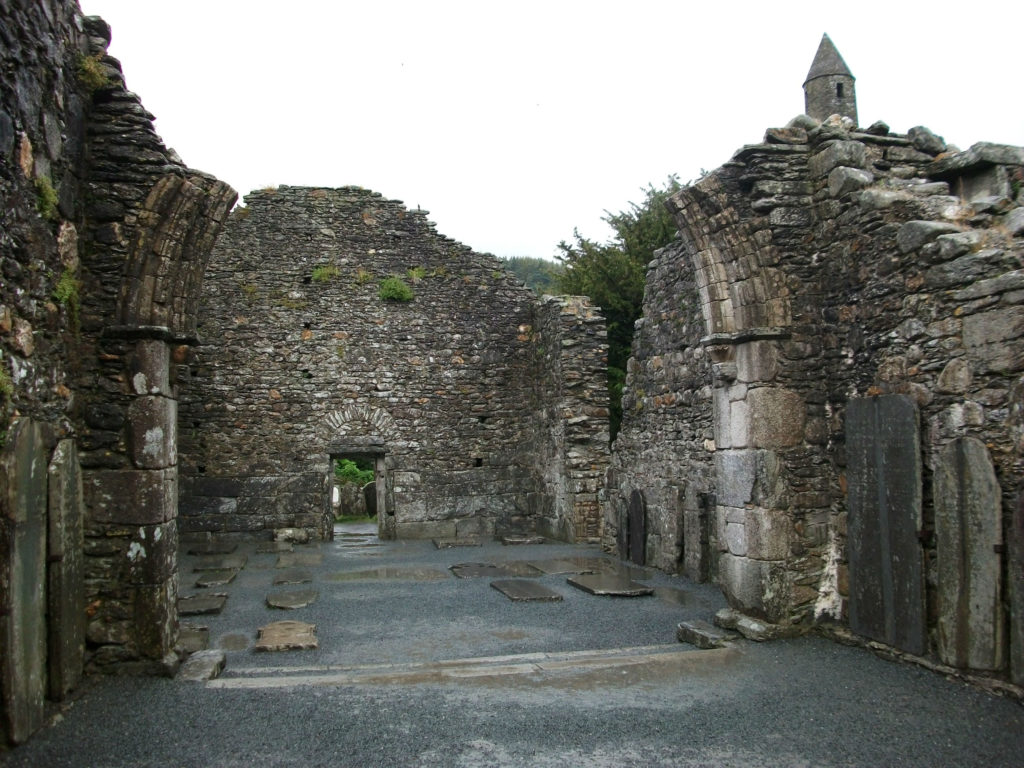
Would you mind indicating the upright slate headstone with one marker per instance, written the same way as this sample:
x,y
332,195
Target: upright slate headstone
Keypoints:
x,y
23,580
65,577
637,527
1016,571
884,519
969,538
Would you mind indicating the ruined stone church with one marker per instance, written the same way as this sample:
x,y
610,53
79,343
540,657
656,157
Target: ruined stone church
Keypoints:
x,y
823,411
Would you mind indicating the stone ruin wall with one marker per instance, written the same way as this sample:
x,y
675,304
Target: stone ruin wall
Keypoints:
x,y
467,394
103,240
833,265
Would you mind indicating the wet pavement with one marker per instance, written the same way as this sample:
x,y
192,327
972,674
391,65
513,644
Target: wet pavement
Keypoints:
x,y
423,658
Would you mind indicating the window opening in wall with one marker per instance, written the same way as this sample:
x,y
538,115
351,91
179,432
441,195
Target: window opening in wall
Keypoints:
x,y
839,90
478,462
354,490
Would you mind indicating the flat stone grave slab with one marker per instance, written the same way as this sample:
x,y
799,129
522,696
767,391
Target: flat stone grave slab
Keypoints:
x,y
193,637
524,591
293,559
293,576
514,539
558,565
607,584
212,548
220,562
286,636
196,605
390,573
293,598
490,570
202,666
216,578
453,543
274,547
233,641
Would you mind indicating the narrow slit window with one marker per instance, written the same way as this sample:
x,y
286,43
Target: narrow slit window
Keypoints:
x,y
839,90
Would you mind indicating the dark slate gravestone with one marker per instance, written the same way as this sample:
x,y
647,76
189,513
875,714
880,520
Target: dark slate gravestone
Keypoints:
x,y
23,580
1016,580
884,519
637,516
65,578
969,537
524,591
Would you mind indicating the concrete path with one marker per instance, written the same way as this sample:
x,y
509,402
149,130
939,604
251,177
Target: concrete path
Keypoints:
x,y
417,667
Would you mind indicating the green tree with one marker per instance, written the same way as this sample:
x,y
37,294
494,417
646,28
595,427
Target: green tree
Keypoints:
x,y
539,275
612,275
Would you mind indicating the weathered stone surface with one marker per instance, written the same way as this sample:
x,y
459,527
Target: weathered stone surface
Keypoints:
x,y
222,547
23,498
235,562
65,577
291,599
851,154
884,552
455,543
274,547
132,496
201,666
701,634
286,636
196,605
925,141
293,576
296,559
995,339
969,537
490,570
524,591
777,417
390,573
149,369
216,578
518,539
842,181
914,234
192,638
756,587
609,585
152,432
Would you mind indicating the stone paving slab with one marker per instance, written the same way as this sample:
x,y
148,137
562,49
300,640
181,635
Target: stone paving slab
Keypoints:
x,y
220,562
293,559
389,573
202,666
453,543
196,605
216,578
524,591
212,548
293,598
286,636
193,637
491,570
610,585
517,539
293,576
560,565
274,547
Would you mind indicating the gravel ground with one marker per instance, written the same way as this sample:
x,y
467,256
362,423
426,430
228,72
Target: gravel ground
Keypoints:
x,y
803,702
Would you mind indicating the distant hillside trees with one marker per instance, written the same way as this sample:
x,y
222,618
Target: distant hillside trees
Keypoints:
x,y
612,275
540,275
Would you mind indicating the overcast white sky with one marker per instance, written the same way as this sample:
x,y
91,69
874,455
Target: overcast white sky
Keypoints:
x,y
515,122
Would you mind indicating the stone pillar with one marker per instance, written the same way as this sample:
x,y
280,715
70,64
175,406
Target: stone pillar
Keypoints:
x,y
133,514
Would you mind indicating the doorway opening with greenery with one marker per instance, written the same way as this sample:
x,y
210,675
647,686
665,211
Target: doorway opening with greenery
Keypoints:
x,y
353,489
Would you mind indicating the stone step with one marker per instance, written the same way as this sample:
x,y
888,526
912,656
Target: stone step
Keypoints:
x,y
526,664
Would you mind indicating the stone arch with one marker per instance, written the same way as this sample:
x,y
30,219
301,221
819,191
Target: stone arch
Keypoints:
x,y
177,227
359,419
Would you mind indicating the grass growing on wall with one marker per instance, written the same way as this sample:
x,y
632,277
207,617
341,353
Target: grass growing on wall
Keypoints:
x,y
324,273
395,288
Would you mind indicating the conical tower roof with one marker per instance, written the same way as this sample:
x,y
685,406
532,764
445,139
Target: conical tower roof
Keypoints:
x,y
827,61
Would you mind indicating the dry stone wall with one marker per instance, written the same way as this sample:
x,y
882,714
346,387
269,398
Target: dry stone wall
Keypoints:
x,y
834,265
458,392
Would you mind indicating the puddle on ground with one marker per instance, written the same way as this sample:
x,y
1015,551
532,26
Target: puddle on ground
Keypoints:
x,y
491,571
677,596
233,641
389,573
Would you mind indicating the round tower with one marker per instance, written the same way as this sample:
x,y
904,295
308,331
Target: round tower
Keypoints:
x,y
828,89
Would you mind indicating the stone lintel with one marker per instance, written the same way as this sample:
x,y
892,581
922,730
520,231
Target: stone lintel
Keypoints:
x,y
981,155
744,335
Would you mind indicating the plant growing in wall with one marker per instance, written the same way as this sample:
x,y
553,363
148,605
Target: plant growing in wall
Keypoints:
x,y
46,198
6,394
395,288
324,273
91,74
67,293
416,274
